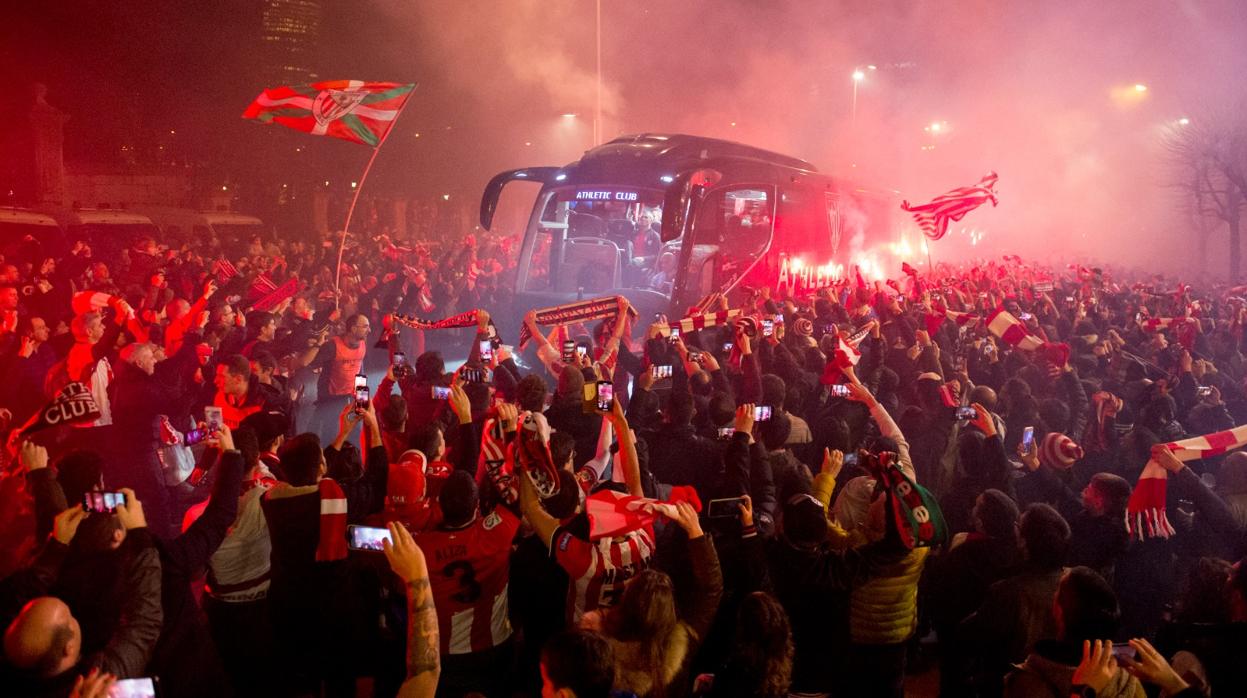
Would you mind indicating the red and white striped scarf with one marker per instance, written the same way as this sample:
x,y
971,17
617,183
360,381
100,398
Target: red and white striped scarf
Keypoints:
x,y
465,319
1184,329
88,301
704,320
580,311
1145,512
614,514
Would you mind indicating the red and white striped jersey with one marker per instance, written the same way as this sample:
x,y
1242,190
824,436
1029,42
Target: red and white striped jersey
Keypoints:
x,y
469,573
598,569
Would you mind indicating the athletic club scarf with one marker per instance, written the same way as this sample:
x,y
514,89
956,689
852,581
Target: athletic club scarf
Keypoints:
x,y
278,295
705,320
935,319
1145,512
466,319
1011,331
915,512
332,543
614,513
534,454
580,311
72,404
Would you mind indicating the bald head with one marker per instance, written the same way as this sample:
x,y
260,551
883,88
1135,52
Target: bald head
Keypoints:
x,y
44,638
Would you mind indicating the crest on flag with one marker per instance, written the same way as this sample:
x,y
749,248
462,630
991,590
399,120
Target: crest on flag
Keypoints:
x,y
335,104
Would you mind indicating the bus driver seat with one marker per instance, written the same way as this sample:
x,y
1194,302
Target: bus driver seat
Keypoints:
x,y
593,264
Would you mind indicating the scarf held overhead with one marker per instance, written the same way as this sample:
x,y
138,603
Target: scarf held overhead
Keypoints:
x,y
580,311
1145,511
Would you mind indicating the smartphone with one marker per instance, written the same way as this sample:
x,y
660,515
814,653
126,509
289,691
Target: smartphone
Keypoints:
x,y
829,328
605,396
675,333
103,502
694,356
661,371
582,351
761,413
487,350
400,359
477,375
195,436
569,351
366,537
727,346
966,413
724,508
850,458
1028,438
726,432
440,393
1025,317
1069,300
1203,390
840,390
1124,651
135,688
361,381
361,398
768,327
213,418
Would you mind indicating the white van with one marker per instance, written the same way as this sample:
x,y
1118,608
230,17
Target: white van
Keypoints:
x,y
18,223
178,224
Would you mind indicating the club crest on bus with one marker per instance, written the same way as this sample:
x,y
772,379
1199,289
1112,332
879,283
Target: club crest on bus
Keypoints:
x,y
335,104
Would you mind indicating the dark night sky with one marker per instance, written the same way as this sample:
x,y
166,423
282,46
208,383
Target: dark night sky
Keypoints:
x,y
1030,89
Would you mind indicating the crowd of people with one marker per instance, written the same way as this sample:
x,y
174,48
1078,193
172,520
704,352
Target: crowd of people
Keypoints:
x,y
985,468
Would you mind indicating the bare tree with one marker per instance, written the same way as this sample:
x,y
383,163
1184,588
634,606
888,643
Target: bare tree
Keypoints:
x,y
1208,155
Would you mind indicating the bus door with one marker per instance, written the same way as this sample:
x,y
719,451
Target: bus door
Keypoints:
x,y
731,231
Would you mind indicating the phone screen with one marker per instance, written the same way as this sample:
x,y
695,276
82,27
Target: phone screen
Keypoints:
x,y
726,432
133,688
768,328
727,346
840,390
661,371
213,418
400,359
361,381
440,393
361,397
966,413
103,502
194,436
675,332
1025,317
724,508
582,351
606,396
367,537
569,350
487,350
761,413
1028,438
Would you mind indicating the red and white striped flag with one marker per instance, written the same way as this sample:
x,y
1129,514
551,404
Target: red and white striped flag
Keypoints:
x,y
933,217
1010,330
225,270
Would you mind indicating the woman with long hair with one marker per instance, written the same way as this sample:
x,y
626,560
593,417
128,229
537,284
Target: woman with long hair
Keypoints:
x,y
760,663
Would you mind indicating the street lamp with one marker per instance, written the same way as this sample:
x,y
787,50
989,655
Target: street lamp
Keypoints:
x,y
858,76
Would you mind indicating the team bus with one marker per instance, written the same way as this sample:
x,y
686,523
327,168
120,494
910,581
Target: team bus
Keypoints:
x,y
666,220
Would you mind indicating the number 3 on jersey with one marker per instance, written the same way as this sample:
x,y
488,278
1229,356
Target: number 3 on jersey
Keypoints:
x,y
469,588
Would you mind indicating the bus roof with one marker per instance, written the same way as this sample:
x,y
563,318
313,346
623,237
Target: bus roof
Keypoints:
x,y
677,151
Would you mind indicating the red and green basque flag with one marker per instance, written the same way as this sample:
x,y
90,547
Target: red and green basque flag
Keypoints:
x,y
353,110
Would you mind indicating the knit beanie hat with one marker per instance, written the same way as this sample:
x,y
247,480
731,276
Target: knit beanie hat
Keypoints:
x,y
998,514
405,485
571,381
852,507
1059,451
805,520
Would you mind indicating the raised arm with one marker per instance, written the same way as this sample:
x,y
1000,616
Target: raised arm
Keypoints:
x,y
544,524
887,427
130,648
628,461
423,658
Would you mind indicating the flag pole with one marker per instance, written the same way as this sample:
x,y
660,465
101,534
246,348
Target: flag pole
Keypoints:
x,y
350,211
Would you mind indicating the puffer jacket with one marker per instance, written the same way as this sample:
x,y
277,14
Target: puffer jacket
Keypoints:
x,y
1048,672
884,610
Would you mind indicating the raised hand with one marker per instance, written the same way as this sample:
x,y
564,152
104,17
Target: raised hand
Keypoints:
x,y
833,461
686,517
131,513
1098,665
65,525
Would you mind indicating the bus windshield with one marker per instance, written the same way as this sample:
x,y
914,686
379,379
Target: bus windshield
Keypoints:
x,y
596,239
